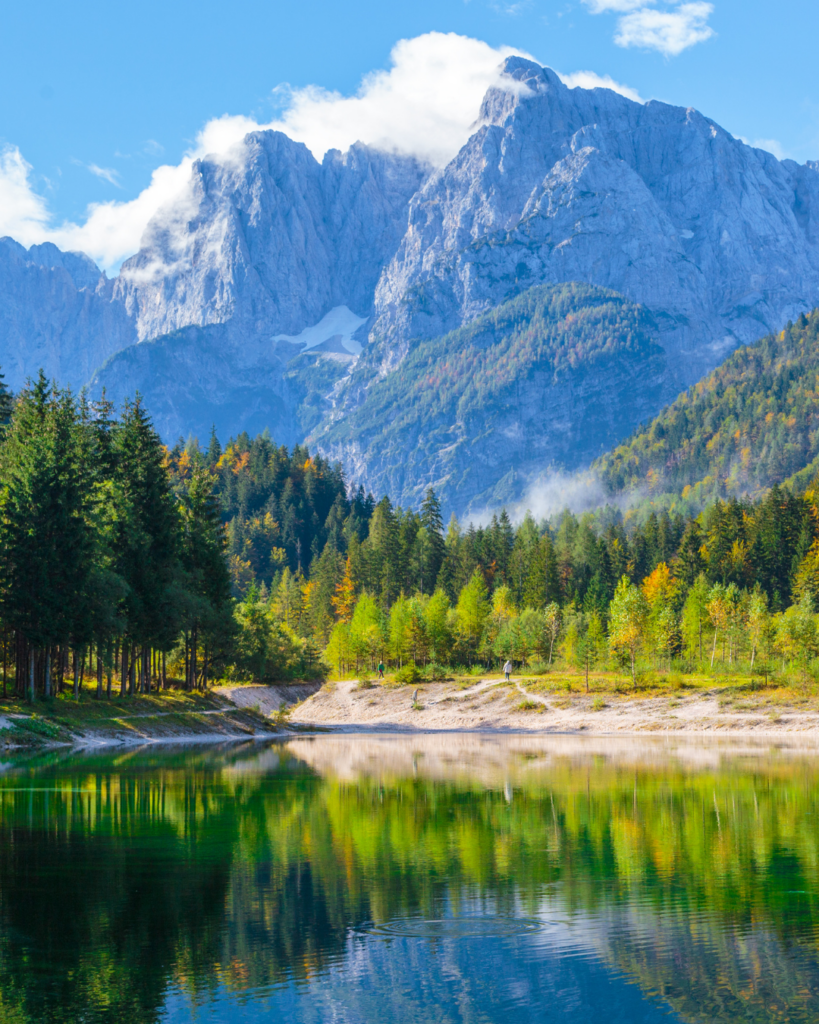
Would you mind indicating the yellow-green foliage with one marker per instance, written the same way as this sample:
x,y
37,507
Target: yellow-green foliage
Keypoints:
x,y
751,423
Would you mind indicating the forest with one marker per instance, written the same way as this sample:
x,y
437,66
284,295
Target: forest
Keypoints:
x,y
751,423
141,567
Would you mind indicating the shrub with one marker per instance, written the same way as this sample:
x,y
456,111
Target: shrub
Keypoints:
x,y
39,726
531,705
437,673
410,673
598,704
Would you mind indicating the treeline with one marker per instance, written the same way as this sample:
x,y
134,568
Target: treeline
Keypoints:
x,y
749,424
554,329
138,564
736,583
106,565
366,581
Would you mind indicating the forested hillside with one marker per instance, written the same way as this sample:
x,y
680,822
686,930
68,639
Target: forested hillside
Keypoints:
x,y
146,566
746,426
539,379
384,582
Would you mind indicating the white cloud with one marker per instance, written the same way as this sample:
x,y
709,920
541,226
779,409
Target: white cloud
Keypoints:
x,y
23,213
591,80
425,104
106,173
604,6
769,145
669,32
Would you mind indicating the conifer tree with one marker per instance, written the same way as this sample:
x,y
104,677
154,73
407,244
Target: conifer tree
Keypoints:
x,y
147,537
433,524
46,541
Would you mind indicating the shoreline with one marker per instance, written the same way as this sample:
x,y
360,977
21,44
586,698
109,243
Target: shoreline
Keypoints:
x,y
168,717
490,706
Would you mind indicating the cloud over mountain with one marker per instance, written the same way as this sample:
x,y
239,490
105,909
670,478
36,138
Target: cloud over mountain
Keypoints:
x,y
424,104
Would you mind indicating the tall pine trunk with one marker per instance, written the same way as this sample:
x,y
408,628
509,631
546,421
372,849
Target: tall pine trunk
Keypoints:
x,y
123,679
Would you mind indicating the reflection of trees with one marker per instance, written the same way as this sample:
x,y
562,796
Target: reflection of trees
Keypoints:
x,y
108,882
710,859
115,882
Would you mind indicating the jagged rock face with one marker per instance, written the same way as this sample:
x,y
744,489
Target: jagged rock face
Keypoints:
x,y
56,312
270,240
719,240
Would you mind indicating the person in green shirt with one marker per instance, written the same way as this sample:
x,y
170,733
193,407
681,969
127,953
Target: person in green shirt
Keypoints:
x,y
381,670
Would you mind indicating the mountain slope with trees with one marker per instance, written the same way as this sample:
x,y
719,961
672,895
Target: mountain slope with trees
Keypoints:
x,y
475,412
751,423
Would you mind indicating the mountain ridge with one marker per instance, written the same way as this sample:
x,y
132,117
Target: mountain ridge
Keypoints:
x,y
718,242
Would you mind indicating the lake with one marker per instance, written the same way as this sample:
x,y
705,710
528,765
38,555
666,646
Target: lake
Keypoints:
x,y
440,878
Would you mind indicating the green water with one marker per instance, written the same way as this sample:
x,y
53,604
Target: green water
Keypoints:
x,y
439,878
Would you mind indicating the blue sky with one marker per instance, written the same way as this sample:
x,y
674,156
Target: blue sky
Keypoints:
x,y
95,97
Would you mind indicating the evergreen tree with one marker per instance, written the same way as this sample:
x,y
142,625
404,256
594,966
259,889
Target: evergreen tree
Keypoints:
x,y
147,538
435,548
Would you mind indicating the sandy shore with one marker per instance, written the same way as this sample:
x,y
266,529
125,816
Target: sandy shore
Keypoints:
x,y
490,705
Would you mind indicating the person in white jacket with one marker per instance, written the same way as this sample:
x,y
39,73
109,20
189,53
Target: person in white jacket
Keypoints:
x,y
507,670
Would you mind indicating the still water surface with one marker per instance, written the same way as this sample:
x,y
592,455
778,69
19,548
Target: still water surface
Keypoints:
x,y
434,879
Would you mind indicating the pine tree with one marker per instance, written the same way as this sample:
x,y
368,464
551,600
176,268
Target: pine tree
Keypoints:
x,y
46,544
147,536
435,552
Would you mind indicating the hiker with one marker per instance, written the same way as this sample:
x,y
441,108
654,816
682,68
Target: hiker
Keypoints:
x,y
507,670
381,670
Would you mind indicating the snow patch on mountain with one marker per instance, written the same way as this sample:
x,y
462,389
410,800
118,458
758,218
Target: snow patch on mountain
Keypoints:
x,y
339,324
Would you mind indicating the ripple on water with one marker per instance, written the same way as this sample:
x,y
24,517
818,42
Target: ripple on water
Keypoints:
x,y
468,927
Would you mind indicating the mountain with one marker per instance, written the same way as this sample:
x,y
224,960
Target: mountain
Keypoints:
x,y
537,381
57,311
269,240
751,423
282,291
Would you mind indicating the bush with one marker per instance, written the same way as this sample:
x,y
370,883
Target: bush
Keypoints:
x,y
598,704
531,705
409,674
437,673
39,726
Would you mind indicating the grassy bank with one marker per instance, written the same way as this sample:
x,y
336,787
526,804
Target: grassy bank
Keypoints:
x,y
169,715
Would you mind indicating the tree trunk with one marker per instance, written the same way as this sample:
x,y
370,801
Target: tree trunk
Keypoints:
x,y
123,679
633,678
31,675
753,656
714,649
194,666
99,671
76,675
164,673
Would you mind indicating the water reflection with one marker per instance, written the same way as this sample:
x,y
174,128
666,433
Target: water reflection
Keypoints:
x,y
437,878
